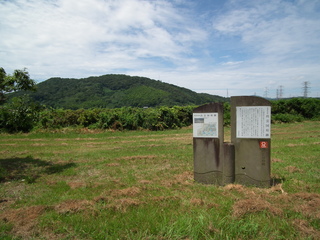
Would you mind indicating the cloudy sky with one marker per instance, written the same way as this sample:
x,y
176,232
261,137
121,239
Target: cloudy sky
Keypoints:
x,y
221,47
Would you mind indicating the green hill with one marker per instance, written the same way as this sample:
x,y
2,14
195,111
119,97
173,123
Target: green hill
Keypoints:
x,y
113,91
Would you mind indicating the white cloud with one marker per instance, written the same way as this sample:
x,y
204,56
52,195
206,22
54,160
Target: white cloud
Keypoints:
x,y
111,34
249,45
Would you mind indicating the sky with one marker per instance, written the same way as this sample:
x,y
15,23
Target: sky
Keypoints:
x,y
220,47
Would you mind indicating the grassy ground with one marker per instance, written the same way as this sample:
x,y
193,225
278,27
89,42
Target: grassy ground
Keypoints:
x,y
139,185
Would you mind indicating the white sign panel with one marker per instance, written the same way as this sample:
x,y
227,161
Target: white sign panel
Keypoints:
x,y
254,122
205,125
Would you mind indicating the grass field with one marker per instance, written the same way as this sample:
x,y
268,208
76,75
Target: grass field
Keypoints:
x,y
77,184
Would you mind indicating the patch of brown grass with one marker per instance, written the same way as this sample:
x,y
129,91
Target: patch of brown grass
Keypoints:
x,y
124,203
185,178
310,204
306,231
165,198
113,164
138,157
73,206
254,205
23,220
5,203
145,182
121,204
276,160
293,169
201,202
131,191
76,184
197,201
295,145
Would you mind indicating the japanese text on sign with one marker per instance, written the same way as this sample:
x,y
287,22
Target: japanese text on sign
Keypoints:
x,y
254,122
205,125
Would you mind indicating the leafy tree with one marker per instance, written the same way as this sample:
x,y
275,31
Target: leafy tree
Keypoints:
x,y
19,80
21,114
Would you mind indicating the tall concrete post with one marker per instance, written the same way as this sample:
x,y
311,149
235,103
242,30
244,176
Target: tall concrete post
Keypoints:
x,y
208,143
251,136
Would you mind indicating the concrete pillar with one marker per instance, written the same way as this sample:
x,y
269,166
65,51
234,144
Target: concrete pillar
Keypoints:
x,y
208,143
251,136
228,163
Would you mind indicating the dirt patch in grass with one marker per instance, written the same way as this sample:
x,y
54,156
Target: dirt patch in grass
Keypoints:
x,y
23,220
254,205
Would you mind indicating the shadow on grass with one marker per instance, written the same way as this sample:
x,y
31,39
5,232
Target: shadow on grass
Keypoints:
x,y
28,169
275,181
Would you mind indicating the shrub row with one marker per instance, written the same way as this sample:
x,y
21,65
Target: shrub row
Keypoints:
x,y
126,118
23,115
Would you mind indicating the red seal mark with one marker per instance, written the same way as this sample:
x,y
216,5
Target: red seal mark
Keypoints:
x,y
264,144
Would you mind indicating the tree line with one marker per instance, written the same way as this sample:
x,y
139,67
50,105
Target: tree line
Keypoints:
x,y
22,114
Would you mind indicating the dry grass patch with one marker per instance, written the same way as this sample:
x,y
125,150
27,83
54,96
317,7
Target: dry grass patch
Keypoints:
x,y
254,205
308,204
145,182
276,160
76,184
185,178
121,204
138,157
131,191
293,169
201,202
73,206
306,231
23,220
113,164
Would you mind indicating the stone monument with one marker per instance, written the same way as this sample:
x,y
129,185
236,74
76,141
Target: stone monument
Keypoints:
x,y
208,143
246,159
251,136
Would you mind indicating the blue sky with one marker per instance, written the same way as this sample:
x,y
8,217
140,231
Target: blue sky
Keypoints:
x,y
231,47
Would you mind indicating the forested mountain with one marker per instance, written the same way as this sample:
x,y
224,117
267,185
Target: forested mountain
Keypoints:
x,y
113,91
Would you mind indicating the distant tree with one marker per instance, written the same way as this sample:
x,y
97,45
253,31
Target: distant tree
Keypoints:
x,y
19,80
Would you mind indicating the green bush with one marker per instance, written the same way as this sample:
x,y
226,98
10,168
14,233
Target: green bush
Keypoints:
x,y
308,108
19,115
286,118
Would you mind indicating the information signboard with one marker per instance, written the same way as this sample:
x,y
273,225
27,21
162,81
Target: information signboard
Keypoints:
x,y
205,125
253,122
